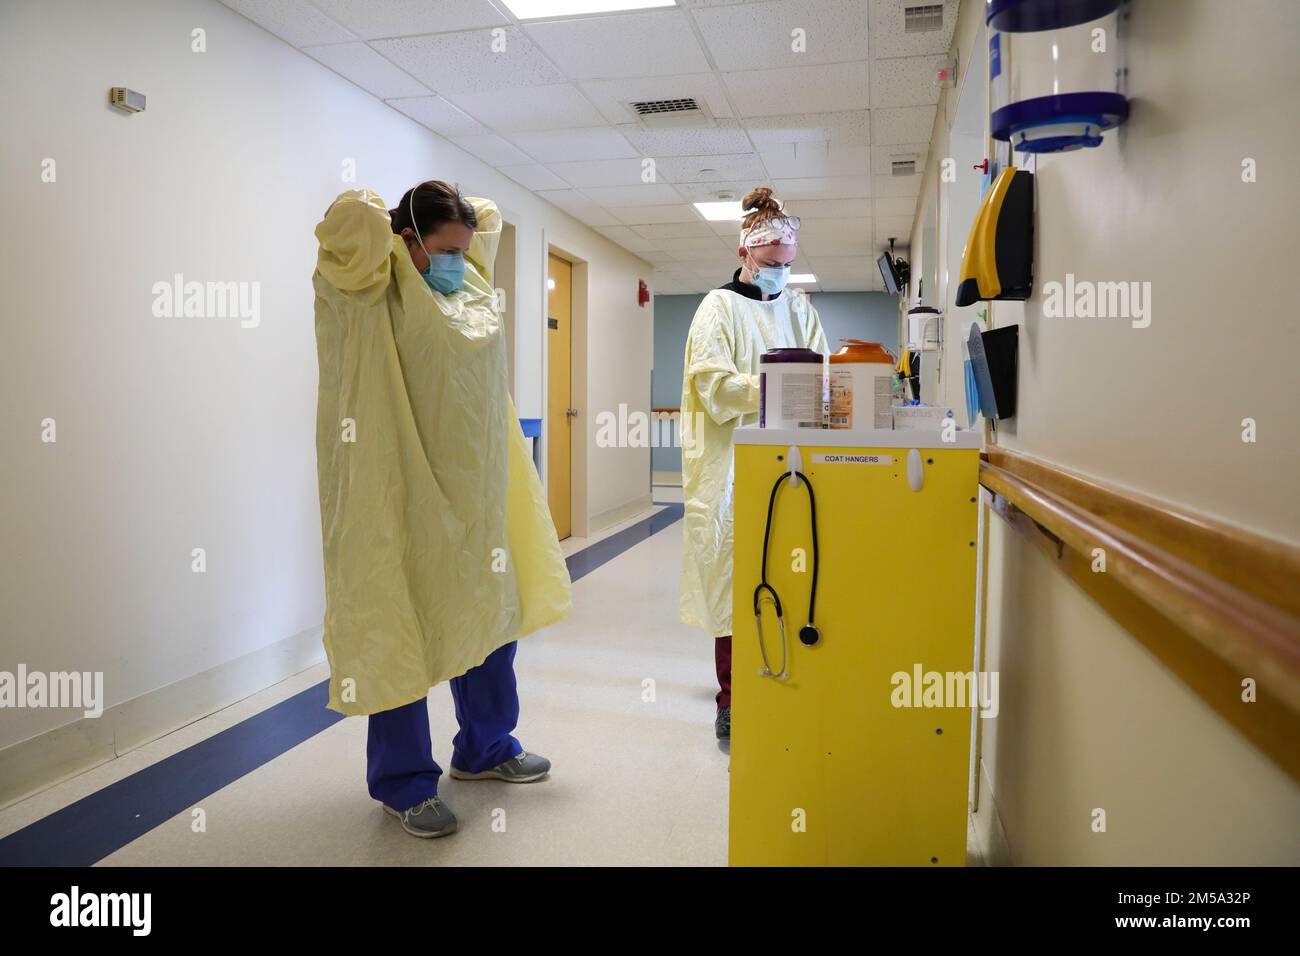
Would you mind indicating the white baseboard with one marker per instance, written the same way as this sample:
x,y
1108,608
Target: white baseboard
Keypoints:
x,y
40,762
989,833
638,506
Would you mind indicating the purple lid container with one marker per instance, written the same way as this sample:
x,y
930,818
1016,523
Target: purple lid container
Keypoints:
x,y
791,355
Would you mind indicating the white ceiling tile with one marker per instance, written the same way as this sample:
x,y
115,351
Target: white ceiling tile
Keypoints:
x,y
294,21
906,81
844,267
882,157
655,43
716,273
814,89
805,160
579,206
612,96
834,209
595,216
729,230
830,31
708,192
828,187
490,148
395,18
538,108
534,176
628,239
438,115
570,145
854,245
904,206
647,194
888,37
844,128
644,214
367,69
903,124
468,63
900,227
726,137
710,169
891,185
712,246
600,172
656,258
844,285
674,230
818,225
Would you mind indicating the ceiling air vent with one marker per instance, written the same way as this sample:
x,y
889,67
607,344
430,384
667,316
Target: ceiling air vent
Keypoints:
x,y
902,167
923,18
677,111
647,107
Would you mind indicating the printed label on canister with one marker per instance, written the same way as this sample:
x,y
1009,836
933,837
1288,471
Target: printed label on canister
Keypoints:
x,y
884,402
800,398
852,459
841,409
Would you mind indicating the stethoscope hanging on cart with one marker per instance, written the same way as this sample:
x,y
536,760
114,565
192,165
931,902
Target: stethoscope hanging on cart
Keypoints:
x,y
808,634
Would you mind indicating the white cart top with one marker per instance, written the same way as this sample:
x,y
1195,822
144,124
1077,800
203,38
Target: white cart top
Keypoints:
x,y
856,437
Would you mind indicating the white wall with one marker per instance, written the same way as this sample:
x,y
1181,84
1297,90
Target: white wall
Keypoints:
x,y
1088,718
182,433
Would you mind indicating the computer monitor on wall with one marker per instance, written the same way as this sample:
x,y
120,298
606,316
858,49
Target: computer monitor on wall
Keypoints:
x,y
889,273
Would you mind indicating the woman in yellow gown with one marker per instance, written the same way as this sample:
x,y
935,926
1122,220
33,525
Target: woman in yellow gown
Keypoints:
x,y
439,550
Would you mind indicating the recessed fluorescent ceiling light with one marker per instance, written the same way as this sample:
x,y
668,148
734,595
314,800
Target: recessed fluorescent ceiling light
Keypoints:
x,y
720,211
802,277
536,9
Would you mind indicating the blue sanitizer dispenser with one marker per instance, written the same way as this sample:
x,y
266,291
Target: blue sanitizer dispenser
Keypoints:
x,y
1055,73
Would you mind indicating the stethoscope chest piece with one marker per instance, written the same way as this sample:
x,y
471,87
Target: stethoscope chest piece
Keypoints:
x,y
809,635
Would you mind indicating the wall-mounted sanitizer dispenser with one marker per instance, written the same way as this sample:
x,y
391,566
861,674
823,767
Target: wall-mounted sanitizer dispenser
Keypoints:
x,y
1055,73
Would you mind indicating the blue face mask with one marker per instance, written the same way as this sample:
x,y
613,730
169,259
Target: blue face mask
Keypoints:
x,y
771,279
446,272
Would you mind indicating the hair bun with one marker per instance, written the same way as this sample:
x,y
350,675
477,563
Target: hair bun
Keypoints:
x,y
760,199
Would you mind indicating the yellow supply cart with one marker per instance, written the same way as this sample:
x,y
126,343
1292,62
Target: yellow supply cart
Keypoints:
x,y
854,758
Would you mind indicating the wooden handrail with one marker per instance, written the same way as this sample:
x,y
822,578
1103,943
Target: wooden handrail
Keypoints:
x,y
1210,631
1264,567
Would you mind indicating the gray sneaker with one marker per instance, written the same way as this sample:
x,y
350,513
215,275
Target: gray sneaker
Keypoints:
x,y
433,818
521,768
722,723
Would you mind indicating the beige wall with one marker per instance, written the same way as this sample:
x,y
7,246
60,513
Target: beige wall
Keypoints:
x,y
1088,719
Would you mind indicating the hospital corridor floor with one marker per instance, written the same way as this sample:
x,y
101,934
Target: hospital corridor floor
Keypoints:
x,y
638,778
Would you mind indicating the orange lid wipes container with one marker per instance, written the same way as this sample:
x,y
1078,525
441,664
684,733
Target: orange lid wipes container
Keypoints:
x,y
862,386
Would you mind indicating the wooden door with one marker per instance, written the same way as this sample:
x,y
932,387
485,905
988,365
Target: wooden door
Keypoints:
x,y
559,410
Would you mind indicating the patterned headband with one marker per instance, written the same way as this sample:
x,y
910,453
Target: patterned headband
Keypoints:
x,y
779,230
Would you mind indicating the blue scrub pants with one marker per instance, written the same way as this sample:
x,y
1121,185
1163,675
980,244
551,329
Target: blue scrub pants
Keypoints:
x,y
400,769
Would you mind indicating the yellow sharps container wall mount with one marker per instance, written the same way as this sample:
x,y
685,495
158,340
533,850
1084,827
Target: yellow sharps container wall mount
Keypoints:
x,y
825,769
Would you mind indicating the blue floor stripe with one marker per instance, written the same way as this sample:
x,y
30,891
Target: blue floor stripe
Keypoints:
x,y
107,820
85,832
590,558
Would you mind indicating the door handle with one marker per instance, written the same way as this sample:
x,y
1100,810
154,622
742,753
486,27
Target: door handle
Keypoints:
x,y
570,412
